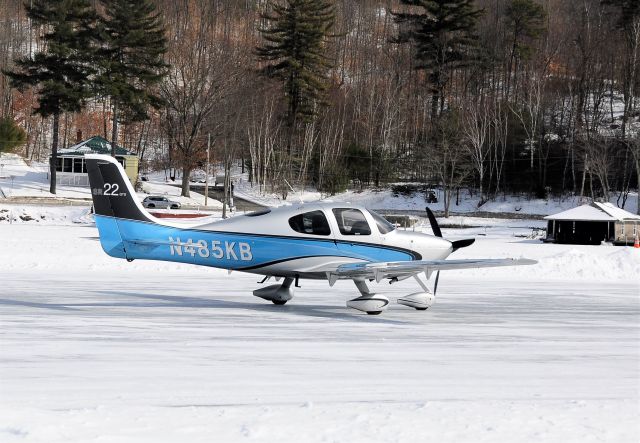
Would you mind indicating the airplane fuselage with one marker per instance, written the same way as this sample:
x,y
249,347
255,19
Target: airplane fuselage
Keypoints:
x,y
280,255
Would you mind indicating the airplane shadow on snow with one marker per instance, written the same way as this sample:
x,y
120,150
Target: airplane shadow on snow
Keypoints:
x,y
175,301
179,301
26,304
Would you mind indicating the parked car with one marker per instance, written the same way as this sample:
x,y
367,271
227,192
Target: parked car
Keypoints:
x,y
160,202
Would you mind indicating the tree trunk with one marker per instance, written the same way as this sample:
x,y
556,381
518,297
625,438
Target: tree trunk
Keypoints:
x,y
435,104
104,119
186,174
226,201
584,174
53,161
114,133
638,175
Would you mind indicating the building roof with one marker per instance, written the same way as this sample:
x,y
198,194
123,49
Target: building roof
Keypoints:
x,y
94,145
595,212
616,212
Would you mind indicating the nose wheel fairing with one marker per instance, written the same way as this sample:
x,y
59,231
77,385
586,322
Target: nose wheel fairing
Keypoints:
x,y
418,300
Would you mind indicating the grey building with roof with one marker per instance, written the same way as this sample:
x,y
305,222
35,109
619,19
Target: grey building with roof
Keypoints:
x,y
593,224
71,166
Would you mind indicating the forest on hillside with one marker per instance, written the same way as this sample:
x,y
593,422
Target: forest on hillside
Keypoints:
x,y
498,96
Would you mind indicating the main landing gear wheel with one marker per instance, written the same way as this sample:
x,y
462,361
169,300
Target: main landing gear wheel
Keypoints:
x,y
372,304
277,294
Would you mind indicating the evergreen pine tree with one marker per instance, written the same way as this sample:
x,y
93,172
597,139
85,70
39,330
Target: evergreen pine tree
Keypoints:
x,y
294,52
59,72
133,44
629,11
442,32
11,135
525,20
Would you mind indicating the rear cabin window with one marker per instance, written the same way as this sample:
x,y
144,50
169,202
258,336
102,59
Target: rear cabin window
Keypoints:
x,y
352,222
313,223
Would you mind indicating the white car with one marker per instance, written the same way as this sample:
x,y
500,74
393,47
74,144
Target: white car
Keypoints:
x,y
160,202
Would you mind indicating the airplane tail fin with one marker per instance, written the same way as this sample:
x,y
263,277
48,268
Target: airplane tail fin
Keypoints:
x,y
114,198
112,192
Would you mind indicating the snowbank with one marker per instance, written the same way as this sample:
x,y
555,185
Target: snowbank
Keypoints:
x,y
580,263
623,264
45,215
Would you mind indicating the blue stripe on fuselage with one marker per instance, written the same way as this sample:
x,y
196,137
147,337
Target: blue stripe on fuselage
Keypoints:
x,y
139,240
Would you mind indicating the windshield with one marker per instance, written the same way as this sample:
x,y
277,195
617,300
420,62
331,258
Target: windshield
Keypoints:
x,y
383,225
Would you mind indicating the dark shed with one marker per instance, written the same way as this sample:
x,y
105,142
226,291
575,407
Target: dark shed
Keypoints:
x,y
593,224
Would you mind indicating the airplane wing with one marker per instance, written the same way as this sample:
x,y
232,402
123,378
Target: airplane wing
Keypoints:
x,y
405,269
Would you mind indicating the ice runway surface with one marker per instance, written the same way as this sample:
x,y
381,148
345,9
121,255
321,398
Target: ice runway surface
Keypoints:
x,y
96,351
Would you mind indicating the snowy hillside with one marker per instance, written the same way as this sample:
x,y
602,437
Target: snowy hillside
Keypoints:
x,y
32,182
21,181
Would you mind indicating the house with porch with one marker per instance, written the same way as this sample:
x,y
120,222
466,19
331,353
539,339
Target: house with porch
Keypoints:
x,y
72,170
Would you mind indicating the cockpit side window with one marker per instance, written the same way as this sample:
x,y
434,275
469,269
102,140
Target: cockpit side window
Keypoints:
x,y
352,222
313,223
383,225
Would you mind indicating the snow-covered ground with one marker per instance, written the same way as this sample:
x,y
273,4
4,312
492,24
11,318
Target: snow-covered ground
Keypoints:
x,y
98,349
32,182
384,199
19,180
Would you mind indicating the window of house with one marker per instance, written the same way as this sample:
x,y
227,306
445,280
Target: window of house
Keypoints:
x,y
352,222
67,165
313,223
77,165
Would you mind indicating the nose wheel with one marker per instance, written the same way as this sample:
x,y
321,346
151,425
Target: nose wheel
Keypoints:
x,y
420,301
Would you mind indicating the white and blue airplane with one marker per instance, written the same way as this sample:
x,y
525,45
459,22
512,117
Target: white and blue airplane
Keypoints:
x,y
326,241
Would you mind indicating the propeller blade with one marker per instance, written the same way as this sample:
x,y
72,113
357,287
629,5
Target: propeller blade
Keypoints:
x,y
435,286
459,244
434,223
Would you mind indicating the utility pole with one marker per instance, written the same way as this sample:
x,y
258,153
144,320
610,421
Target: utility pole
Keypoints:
x,y
206,178
226,187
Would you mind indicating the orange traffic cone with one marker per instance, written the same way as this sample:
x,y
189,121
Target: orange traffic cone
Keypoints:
x,y
637,243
